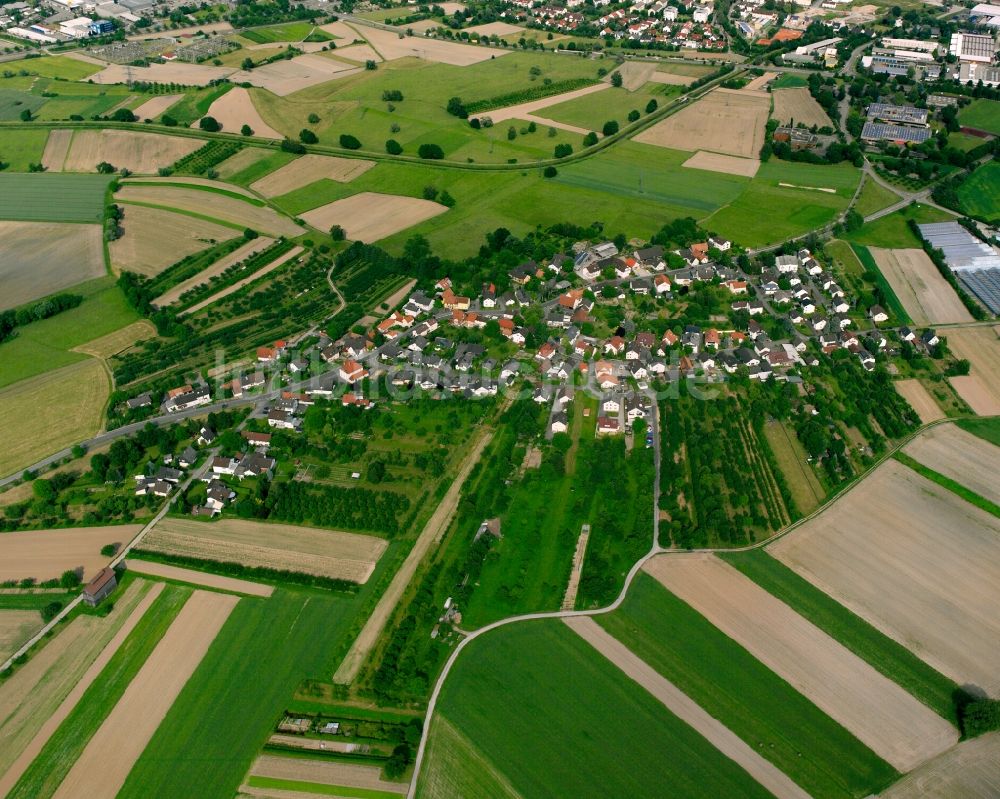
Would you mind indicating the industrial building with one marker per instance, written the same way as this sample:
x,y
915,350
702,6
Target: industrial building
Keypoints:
x,y
974,263
973,47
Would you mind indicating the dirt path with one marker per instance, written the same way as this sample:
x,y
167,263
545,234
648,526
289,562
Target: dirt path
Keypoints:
x,y
430,535
892,723
19,766
685,708
199,578
106,761
569,601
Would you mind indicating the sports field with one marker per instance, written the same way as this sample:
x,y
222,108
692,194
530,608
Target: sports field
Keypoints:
x,y
50,197
515,700
42,258
736,688
980,194
983,115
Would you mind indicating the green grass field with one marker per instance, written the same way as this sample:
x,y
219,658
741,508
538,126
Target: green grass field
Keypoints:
x,y
287,32
45,345
14,101
229,707
58,66
52,197
61,751
195,103
965,142
517,695
20,148
874,197
980,194
988,429
244,169
983,115
890,658
731,685
789,81
892,231
592,110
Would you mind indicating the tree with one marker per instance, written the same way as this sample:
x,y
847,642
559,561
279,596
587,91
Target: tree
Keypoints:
x,y
651,106
853,220
616,80
590,139
610,128
169,121
306,136
246,130
109,550
562,150
123,115
475,124
633,115
550,172
370,65
430,193
349,142
313,119
26,115
50,611
247,64
431,152
43,489
393,147
456,108
337,233
105,168
376,472
511,133
446,200
210,124
69,579
398,761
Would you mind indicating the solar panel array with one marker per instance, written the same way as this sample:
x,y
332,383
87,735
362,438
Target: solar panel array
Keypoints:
x,y
975,263
879,131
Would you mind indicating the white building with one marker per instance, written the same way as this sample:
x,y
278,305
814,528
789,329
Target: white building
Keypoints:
x,y
972,47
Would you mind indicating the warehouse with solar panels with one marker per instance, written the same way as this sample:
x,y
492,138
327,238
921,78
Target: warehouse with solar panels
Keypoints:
x,y
975,263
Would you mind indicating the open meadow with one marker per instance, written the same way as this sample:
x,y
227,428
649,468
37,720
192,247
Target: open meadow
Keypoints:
x,y
494,729
967,459
46,554
43,258
309,550
916,561
878,712
981,387
64,406
918,284
22,147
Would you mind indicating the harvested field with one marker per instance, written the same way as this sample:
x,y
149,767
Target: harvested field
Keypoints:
x,y
40,694
797,106
670,78
923,403
199,578
301,72
759,82
925,295
155,239
173,72
522,110
220,266
119,341
46,554
495,29
682,706
329,772
277,262
210,204
108,758
235,109
187,180
440,51
981,387
636,74
42,258
309,550
56,147
370,216
727,164
155,106
916,561
308,169
357,54
971,770
965,458
142,153
723,121
65,406
878,712
16,627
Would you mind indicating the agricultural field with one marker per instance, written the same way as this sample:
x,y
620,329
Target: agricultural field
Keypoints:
x,y
16,627
252,163
981,387
43,258
591,111
959,456
733,686
371,217
141,153
235,109
333,777
920,399
724,121
155,238
21,148
119,341
970,770
62,67
46,554
979,195
64,406
216,582
308,169
327,553
726,164
889,721
52,197
56,148
156,106
212,269
797,107
982,115
927,580
493,729
916,281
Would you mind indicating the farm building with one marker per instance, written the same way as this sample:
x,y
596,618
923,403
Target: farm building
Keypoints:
x,y
101,586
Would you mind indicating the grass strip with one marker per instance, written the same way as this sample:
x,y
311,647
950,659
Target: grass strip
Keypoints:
x,y
876,276
955,487
878,650
173,184
986,429
320,788
784,726
61,751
